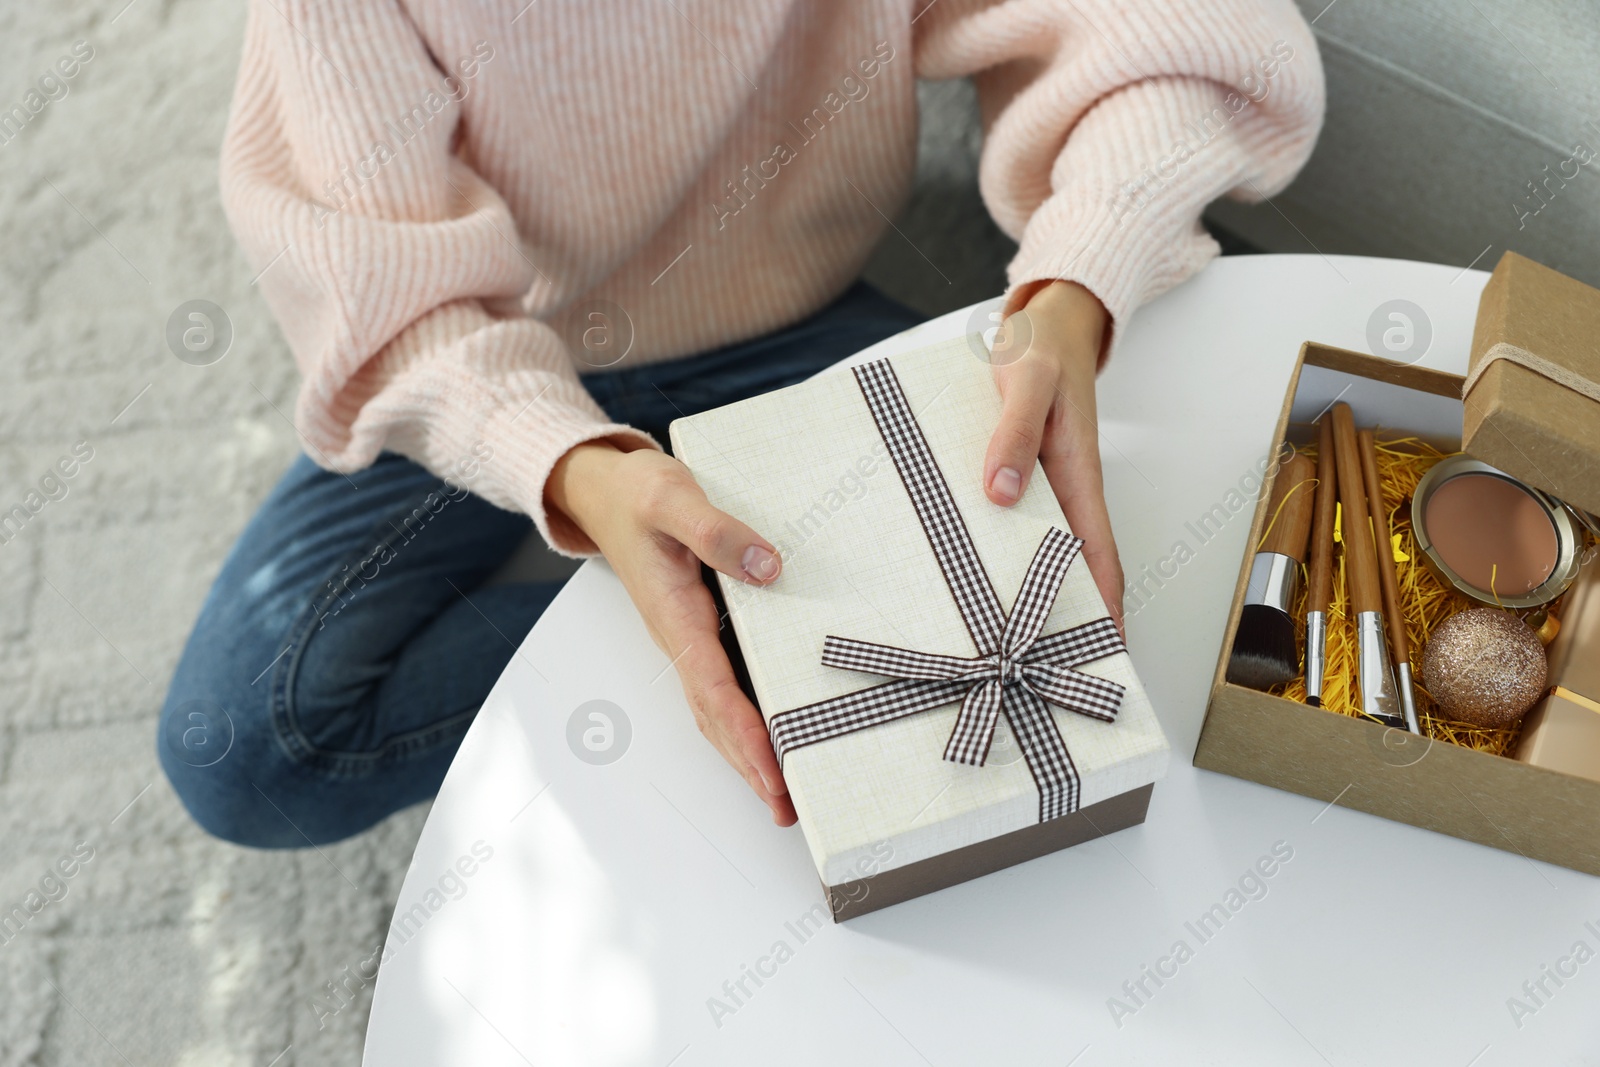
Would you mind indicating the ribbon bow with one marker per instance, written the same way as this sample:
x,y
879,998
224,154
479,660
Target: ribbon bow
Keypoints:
x,y
1019,669
1016,670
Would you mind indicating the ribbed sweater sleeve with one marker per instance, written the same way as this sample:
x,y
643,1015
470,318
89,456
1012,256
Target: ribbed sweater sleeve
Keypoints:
x,y
394,269
1109,126
423,248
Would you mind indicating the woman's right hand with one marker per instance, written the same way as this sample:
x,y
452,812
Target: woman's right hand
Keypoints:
x,y
645,512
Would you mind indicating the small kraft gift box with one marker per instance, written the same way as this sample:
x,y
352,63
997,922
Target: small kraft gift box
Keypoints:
x,y
1530,407
943,685
1533,384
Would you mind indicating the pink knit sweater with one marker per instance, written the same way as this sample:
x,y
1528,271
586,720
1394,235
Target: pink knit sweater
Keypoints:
x,y
441,196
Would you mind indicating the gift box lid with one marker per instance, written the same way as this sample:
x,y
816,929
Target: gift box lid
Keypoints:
x,y
1532,396
809,468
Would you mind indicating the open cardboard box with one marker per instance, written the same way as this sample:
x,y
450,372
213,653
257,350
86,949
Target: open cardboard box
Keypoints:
x,y
1493,800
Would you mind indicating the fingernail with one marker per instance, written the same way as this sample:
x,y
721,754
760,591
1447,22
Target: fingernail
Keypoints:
x,y
1006,484
759,563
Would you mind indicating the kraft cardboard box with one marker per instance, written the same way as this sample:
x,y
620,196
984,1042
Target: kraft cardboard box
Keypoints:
x,y
1533,402
1493,800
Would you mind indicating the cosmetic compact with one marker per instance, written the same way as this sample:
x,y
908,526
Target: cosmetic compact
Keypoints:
x,y
1492,537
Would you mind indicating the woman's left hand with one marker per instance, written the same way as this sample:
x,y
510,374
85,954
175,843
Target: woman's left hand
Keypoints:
x,y
1045,358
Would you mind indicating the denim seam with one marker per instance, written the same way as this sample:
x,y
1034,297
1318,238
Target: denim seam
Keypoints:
x,y
285,722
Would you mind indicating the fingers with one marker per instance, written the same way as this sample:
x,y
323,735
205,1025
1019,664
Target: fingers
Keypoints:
x,y
1075,475
1027,388
1045,367
723,542
658,555
721,710
1071,459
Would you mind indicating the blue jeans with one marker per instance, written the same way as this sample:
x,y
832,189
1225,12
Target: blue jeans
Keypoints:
x,y
349,639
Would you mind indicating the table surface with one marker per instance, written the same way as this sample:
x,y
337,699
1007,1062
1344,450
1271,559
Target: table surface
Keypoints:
x,y
622,905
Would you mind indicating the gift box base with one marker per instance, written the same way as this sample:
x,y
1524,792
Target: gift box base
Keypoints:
x,y
850,899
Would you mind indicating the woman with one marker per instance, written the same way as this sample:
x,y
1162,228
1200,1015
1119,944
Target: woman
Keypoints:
x,y
508,242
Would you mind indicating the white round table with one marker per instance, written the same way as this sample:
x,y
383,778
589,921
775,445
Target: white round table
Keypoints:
x,y
564,911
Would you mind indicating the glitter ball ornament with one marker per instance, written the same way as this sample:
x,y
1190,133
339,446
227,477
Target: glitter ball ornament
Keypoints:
x,y
1484,666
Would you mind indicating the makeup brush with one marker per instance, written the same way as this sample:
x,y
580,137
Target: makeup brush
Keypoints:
x,y
1374,672
1388,581
1319,593
1264,651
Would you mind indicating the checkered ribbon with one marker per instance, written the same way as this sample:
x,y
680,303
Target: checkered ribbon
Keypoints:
x,y
1017,671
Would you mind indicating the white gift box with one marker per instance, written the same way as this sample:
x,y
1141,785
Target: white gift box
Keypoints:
x,y
824,478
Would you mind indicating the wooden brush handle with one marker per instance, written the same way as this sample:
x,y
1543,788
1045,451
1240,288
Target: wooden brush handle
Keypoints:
x,y
1289,511
1360,556
1388,580
1319,594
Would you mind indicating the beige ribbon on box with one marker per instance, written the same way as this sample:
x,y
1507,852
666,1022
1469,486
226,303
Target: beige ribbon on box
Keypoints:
x,y
1576,698
1555,372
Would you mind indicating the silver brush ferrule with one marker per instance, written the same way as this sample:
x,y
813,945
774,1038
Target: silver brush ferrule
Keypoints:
x,y
1316,653
1274,581
1408,698
1379,699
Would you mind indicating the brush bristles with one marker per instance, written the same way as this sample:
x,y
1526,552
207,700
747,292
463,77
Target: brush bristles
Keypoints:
x,y
1264,649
